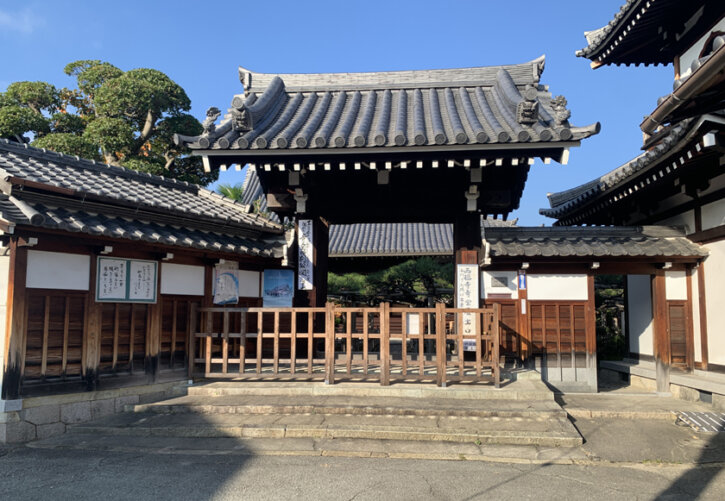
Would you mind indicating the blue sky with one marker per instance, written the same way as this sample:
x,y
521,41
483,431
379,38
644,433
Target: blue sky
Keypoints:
x,y
201,44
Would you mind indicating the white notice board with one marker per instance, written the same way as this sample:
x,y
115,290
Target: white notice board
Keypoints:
x,y
126,280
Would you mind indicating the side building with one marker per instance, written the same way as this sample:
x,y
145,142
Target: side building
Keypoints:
x,y
101,271
677,180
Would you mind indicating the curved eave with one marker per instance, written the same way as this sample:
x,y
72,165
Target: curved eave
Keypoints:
x,y
565,202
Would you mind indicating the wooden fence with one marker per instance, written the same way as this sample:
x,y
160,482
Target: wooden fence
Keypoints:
x,y
335,343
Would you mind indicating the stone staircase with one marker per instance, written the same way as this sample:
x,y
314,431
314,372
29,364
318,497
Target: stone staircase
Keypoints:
x,y
354,419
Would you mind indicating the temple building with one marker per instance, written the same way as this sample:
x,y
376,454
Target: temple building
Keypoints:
x,y
677,180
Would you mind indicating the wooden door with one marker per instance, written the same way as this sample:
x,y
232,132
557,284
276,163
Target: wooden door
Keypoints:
x,y
677,328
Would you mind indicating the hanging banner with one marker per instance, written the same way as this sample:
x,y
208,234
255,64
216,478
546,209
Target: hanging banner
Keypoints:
x,y
467,293
226,283
278,288
126,280
304,257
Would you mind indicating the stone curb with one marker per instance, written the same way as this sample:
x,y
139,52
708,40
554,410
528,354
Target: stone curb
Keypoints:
x,y
584,413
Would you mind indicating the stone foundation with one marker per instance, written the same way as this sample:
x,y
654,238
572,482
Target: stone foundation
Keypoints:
x,y
36,418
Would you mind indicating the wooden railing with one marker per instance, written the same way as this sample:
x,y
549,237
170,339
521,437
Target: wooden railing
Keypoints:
x,y
337,343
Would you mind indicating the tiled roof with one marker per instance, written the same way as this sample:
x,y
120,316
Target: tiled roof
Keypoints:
x,y
591,241
650,31
397,239
563,202
20,212
116,185
434,108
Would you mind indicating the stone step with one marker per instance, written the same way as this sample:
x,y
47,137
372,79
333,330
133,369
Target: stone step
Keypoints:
x,y
359,406
368,448
525,390
541,431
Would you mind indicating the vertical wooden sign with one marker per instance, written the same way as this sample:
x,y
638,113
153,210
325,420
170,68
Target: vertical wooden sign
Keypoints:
x,y
467,294
305,255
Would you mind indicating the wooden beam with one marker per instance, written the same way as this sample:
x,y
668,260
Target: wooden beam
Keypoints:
x,y
661,339
15,326
591,334
153,335
702,304
689,327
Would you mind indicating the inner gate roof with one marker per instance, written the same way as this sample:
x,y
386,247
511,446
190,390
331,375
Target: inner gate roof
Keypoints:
x,y
334,112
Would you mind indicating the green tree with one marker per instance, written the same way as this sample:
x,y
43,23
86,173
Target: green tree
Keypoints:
x,y
233,191
123,118
412,281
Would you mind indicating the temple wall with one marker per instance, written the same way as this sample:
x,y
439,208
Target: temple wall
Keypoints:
x,y
686,219
715,292
639,314
713,214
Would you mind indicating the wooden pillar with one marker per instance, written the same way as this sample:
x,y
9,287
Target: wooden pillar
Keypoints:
x,y
591,335
153,335
317,297
467,238
661,339
522,313
92,332
15,327
702,305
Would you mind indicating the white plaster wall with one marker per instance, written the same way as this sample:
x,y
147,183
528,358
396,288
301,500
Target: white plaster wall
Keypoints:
x,y
686,219
58,270
713,214
639,314
557,287
4,270
694,51
675,286
487,287
715,294
182,279
249,283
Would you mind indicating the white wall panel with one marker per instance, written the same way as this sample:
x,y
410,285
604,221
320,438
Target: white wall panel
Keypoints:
x,y
557,287
248,283
715,294
182,279
499,282
675,286
58,270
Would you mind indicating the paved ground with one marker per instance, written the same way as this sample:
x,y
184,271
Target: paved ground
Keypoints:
x,y
633,449
79,475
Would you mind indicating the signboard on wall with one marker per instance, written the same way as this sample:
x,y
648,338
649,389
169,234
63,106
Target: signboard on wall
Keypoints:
x,y
121,280
226,283
304,258
278,288
467,294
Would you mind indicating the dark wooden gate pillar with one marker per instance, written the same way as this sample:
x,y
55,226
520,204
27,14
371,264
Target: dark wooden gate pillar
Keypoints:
x,y
317,297
661,346
467,238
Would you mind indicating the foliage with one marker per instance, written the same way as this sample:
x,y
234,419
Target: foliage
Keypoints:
x,y
609,302
412,281
123,118
233,191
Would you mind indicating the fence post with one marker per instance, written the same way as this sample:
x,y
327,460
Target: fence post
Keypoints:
x,y
441,344
194,318
385,344
208,327
496,367
329,343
